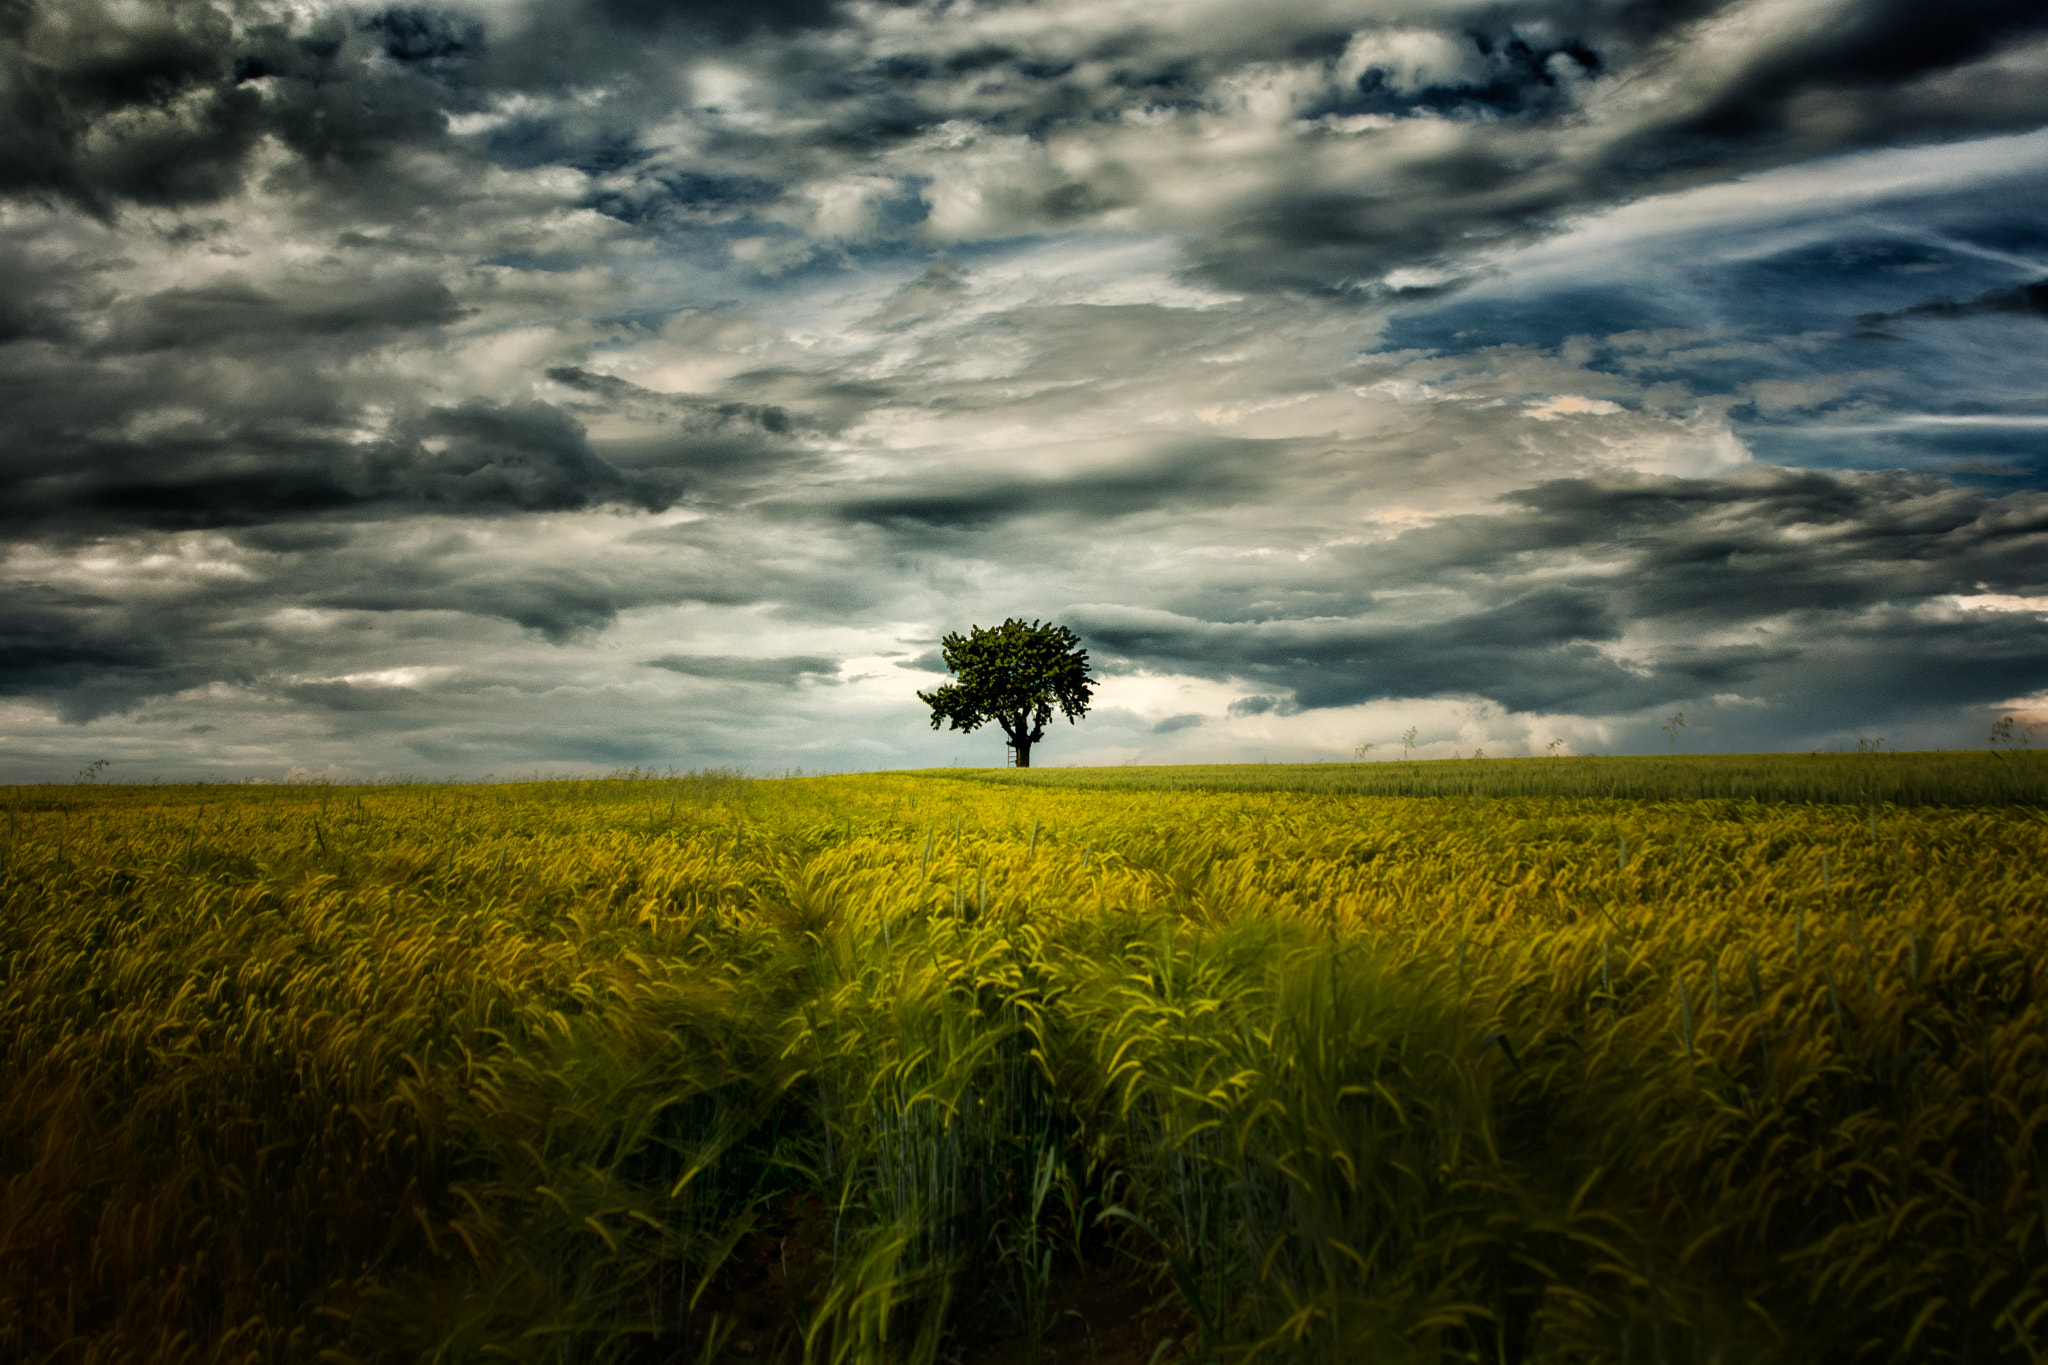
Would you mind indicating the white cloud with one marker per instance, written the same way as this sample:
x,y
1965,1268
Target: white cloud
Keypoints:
x,y
1998,601
1570,405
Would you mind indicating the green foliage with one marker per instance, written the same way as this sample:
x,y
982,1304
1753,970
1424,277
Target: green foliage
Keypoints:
x,y
893,1068
1013,674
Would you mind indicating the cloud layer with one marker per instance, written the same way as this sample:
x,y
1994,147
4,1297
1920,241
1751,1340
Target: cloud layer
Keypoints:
x,y
488,387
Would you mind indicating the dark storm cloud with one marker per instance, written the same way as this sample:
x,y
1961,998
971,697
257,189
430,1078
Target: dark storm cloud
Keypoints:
x,y
1712,552
383,703
478,457
758,417
669,199
1825,568
696,18
788,671
1731,101
1858,56
1539,103
198,496
1544,121
2026,300
1209,473
690,447
147,634
557,604
105,103
563,597
489,456
1533,652
557,599
163,104
166,104
1784,541
234,315
78,647
31,304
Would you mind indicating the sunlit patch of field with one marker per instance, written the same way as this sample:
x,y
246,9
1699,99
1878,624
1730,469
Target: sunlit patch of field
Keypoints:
x,y
1001,1067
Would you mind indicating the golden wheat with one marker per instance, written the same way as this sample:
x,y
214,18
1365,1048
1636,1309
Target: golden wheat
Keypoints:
x,y
623,1070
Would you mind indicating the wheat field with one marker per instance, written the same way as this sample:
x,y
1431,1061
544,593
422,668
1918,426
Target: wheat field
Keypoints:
x,y
986,1067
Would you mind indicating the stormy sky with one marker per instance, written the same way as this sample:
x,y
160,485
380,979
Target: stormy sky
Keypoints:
x,y
504,386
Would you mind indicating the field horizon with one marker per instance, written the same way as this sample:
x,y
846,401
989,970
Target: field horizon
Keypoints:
x,y
1906,776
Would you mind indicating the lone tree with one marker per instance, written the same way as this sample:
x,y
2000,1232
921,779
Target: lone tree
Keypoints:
x,y
1012,674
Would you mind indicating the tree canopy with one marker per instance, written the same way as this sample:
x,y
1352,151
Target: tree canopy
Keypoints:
x,y
1013,674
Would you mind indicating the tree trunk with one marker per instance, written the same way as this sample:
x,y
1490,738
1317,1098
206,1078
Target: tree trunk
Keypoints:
x,y
1023,753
